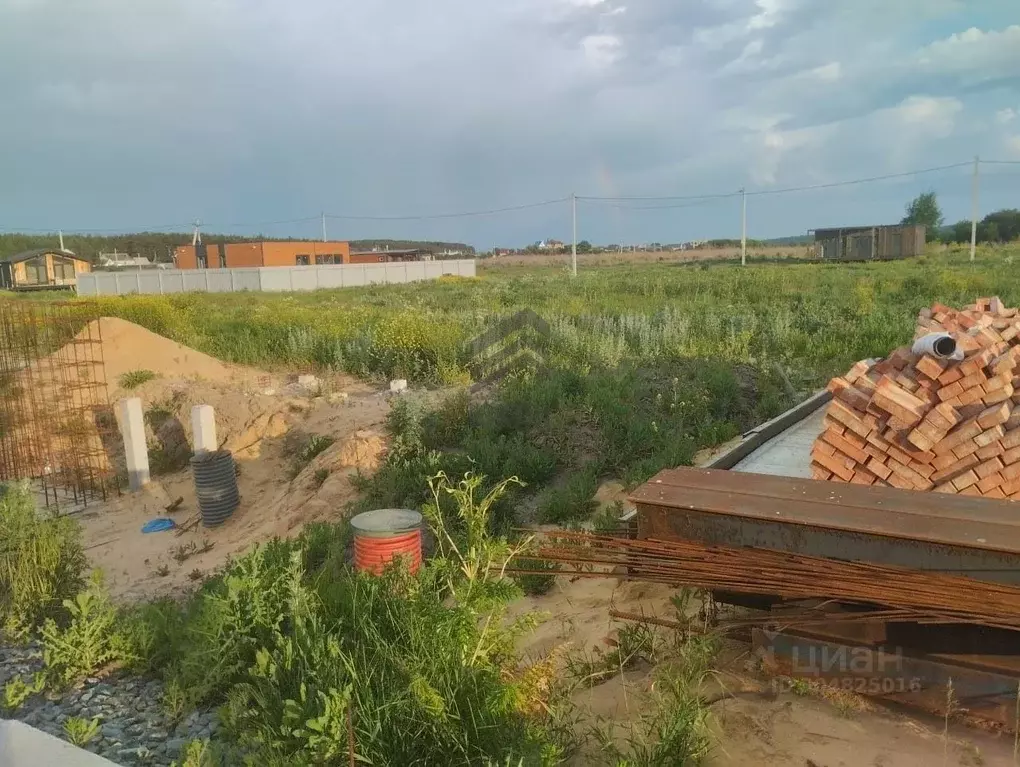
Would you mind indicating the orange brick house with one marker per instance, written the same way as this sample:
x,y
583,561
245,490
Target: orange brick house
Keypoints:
x,y
266,253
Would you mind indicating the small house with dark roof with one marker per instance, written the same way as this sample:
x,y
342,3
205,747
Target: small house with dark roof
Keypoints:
x,y
41,269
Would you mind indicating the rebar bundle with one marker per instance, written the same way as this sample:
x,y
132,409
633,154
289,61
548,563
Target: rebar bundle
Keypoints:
x,y
56,424
921,596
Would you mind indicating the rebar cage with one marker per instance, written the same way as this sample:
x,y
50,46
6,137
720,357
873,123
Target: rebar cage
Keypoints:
x,y
57,428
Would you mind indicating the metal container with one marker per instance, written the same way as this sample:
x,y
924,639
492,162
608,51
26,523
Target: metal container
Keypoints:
x,y
215,485
382,535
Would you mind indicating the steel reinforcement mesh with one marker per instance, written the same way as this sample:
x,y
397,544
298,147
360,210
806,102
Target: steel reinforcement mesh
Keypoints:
x,y
57,429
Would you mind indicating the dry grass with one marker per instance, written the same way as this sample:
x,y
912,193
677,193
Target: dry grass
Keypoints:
x,y
650,256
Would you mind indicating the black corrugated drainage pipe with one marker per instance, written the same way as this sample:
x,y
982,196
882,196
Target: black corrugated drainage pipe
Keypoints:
x,y
215,485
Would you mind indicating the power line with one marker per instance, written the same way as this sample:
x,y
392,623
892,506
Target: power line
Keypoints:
x,y
304,220
126,230
466,214
787,190
684,201
182,226
720,196
869,180
690,204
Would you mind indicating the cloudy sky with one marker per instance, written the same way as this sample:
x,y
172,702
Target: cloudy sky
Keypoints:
x,y
122,114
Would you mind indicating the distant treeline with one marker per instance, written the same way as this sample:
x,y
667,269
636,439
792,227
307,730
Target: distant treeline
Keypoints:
x,y
160,245
1000,226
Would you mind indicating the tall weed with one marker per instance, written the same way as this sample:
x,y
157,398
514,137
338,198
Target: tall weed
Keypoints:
x,y
41,564
87,643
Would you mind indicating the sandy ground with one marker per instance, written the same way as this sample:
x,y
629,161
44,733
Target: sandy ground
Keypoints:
x,y
263,419
140,565
752,725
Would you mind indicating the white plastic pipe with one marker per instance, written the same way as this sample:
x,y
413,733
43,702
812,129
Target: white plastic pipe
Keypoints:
x,y
940,345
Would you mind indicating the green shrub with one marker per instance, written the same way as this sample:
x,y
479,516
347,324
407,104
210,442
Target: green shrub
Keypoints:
x,y
574,500
148,634
135,378
198,753
87,643
396,669
41,564
538,583
17,691
314,446
80,731
231,618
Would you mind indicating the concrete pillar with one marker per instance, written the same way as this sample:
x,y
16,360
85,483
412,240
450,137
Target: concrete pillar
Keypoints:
x,y
203,429
132,428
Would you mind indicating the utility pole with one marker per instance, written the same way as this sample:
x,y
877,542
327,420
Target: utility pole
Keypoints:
x,y
323,226
573,249
196,235
743,227
974,208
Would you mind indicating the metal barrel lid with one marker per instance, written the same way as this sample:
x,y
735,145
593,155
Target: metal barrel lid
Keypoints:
x,y
382,523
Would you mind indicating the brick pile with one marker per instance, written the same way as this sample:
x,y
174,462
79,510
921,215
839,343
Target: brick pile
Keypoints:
x,y
921,423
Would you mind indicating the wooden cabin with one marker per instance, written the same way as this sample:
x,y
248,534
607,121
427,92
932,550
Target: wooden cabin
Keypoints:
x,y
41,269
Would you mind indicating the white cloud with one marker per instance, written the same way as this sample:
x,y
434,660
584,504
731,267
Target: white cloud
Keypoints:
x,y
769,13
828,73
601,50
775,145
1005,116
746,61
974,54
934,116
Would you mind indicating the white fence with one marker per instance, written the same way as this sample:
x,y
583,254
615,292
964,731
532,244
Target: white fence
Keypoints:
x,y
269,278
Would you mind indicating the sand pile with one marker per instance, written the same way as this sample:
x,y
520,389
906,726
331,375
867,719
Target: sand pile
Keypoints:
x,y
128,347
323,487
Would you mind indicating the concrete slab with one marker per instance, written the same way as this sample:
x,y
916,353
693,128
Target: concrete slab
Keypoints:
x,y
788,454
24,746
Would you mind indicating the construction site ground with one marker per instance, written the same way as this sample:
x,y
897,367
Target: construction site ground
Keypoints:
x,y
755,719
261,417
264,419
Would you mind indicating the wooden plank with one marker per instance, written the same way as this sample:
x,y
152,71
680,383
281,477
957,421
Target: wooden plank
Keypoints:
x,y
988,524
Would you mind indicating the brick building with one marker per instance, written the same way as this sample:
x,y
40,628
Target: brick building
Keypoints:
x,y
230,255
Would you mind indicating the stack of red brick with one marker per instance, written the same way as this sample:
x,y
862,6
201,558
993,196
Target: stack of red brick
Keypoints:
x,y
922,423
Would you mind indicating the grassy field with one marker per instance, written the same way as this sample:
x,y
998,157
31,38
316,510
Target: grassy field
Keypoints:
x,y
655,256
645,364
313,664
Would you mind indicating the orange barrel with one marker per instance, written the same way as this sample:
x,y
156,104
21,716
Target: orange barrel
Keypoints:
x,y
382,535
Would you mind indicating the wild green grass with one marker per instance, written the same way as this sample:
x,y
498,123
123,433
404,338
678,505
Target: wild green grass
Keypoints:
x,y
812,317
41,564
135,378
645,365
312,663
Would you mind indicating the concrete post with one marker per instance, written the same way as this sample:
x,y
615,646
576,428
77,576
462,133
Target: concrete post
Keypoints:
x,y
132,427
203,429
